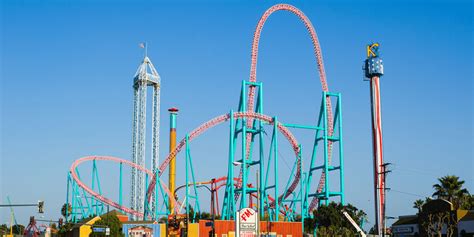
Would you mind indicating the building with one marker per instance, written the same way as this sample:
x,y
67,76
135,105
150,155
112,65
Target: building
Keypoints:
x,y
140,231
466,225
406,226
84,228
143,229
443,217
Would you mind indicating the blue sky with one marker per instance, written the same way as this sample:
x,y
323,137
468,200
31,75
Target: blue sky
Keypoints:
x,y
66,86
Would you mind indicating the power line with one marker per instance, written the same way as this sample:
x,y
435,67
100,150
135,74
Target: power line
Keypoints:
x,y
407,193
418,171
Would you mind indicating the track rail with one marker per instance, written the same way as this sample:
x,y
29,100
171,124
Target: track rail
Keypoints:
x,y
223,118
218,120
102,198
322,78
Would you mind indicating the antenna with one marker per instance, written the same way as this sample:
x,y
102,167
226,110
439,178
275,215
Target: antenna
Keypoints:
x,y
146,49
144,45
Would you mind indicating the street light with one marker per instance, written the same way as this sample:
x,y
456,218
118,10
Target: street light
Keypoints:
x,y
212,209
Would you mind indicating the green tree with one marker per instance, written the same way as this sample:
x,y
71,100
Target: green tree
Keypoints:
x,y
66,227
331,221
418,204
205,216
112,222
18,229
53,226
450,188
63,210
4,229
163,219
468,203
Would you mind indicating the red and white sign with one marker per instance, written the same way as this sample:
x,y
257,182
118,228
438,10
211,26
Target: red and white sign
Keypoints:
x,y
246,224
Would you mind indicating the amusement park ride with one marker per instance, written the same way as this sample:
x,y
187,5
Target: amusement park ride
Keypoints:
x,y
275,199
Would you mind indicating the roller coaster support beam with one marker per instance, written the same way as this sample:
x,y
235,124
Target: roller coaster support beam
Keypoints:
x,y
324,126
120,184
189,169
228,208
248,135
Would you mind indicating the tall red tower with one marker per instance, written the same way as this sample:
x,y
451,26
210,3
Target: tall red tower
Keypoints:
x,y
373,72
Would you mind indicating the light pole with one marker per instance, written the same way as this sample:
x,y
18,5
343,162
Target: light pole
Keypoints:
x,y
212,208
384,173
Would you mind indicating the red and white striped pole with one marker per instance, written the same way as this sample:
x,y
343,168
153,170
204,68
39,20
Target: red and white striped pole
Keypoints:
x,y
373,71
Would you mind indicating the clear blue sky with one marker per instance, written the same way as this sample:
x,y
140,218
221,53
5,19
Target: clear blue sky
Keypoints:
x,y
66,86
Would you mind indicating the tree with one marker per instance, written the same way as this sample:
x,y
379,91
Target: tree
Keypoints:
x,y
331,221
204,216
66,227
450,188
418,204
433,223
63,210
112,222
18,229
163,219
4,229
468,203
372,230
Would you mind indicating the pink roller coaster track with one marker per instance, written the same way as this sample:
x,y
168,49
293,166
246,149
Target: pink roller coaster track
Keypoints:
x,y
220,119
251,115
322,77
102,198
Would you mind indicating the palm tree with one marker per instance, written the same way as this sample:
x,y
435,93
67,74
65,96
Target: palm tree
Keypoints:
x,y
418,204
450,188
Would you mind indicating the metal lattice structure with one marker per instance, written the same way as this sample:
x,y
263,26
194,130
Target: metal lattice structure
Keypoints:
x,y
248,125
146,76
322,76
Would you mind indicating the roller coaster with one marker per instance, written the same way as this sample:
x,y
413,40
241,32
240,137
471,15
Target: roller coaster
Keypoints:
x,y
253,178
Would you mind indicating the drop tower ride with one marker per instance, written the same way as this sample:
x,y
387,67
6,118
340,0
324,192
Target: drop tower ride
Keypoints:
x,y
373,71
146,76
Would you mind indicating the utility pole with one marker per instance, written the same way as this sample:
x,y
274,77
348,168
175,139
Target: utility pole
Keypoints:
x,y
384,173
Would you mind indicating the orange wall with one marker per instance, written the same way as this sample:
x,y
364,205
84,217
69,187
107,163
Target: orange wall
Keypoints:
x,y
282,228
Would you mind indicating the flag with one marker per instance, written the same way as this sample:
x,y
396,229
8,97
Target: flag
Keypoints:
x,y
142,45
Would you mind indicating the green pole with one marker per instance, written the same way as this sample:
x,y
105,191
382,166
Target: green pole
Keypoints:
x,y
341,150
67,197
187,188
73,199
325,138
231,199
156,196
243,198
196,196
261,158
94,206
303,212
145,214
275,133
89,207
120,184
